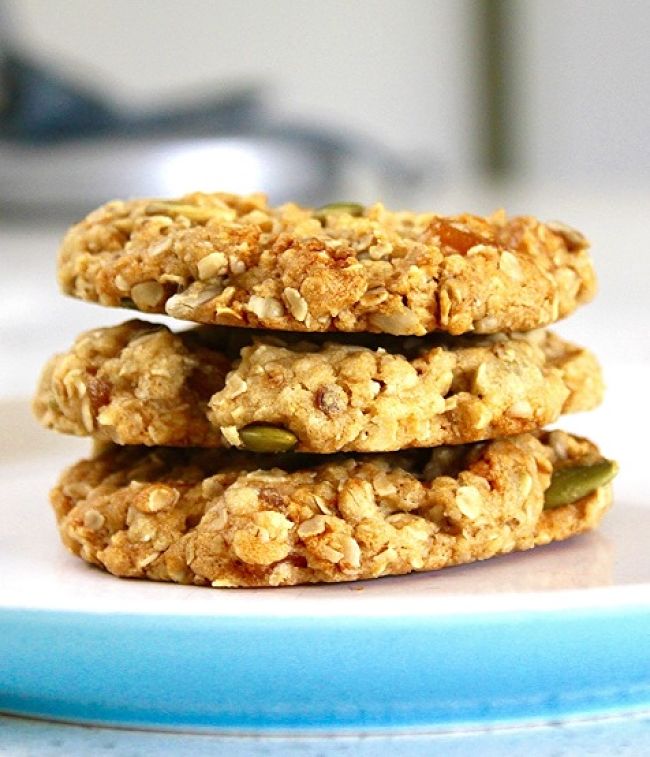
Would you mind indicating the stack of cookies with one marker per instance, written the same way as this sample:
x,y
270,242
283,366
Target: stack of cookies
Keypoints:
x,y
364,394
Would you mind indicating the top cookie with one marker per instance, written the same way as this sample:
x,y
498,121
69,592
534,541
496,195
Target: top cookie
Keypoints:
x,y
232,260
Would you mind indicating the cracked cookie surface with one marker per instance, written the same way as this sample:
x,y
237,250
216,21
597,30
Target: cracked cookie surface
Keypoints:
x,y
140,383
234,260
227,518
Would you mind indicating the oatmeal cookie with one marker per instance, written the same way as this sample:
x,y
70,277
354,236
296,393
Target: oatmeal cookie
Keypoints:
x,y
227,518
233,260
139,383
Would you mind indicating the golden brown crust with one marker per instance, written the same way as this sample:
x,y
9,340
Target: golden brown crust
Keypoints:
x,y
231,260
141,384
224,518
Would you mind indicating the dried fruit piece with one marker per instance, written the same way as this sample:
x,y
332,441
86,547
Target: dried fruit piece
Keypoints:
x,y
332,400
99,392
265,438
455,236
572,483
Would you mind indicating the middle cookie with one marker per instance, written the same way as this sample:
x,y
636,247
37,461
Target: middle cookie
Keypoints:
x,y
140,383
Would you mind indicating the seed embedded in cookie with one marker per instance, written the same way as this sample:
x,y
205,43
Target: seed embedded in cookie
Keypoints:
x,y
573,482
266,438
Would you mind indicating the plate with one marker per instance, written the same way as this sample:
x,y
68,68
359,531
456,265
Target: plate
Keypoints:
x,y
557,632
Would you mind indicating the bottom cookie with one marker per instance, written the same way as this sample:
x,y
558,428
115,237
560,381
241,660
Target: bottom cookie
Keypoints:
x,y
229,518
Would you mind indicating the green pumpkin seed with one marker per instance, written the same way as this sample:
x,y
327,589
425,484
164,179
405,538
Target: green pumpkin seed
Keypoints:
x,y
262,438
571,484
352,208
191,212
127,302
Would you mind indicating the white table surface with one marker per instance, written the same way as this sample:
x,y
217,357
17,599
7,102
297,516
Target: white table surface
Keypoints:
x,y
608,737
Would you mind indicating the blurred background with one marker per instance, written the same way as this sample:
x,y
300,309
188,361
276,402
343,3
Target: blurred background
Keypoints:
x,y
307,99
540,106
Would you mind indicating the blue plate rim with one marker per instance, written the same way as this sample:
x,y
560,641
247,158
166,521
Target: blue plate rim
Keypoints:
x,y
313,674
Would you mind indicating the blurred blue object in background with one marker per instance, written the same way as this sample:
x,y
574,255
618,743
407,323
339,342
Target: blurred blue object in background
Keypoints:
x,y
41,106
